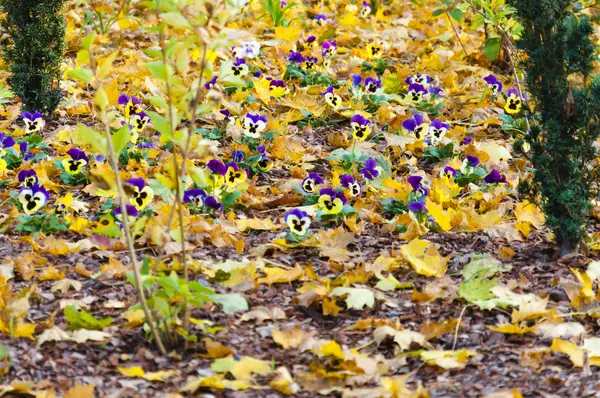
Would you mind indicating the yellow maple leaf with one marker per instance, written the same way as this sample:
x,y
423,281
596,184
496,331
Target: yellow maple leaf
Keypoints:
x,y
424,257
331,348
575,353
280,275
512,329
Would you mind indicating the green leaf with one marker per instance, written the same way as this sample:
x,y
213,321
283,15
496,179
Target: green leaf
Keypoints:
x,y
81,319
176,20
157,69
491,48
85,75
121,138
457,14
483,266
93,138
477,289
438,12
231,303
357,297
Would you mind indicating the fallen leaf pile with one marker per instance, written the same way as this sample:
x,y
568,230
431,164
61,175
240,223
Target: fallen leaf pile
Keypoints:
x,y
351,195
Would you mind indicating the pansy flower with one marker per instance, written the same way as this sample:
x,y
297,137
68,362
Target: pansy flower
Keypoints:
x,y
416,93
417,186
248,50
418,206
494,84
469,164
211,83
254,124
75,164
310,183
320,19
332,99
296,57
437,131
131,211
417,126
328,48
360,127
239,67
513,101
374,50
6,141
142,194
34,122
139,121
237,156
310,62
195,196
494,177
366,9
420,78
230,119
277,88
435,92
212,203
356,80
372,84
298,221
23,149
354,187
131,105
467,141
370,171
234,176
27,178
330,201
33,198
449,172
216,166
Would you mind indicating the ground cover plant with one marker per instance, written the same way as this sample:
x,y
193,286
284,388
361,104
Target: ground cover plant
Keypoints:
x,y
273,198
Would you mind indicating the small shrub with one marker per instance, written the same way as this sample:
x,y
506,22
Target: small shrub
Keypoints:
x,y
559,47
36,30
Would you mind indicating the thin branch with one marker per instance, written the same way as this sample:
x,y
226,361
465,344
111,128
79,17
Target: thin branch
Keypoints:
x,y
457,35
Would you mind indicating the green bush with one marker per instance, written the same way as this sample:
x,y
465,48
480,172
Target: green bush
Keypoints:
x,y
36,31
565,123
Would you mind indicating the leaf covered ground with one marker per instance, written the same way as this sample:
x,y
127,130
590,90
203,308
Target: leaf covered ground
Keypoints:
x,y
350,199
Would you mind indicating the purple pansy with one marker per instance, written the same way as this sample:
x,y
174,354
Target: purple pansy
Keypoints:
x,y
416,125
216,166
421,79
416,92
237,156
494,177
296,56
34,122
370,170
210,84
467,141
372,84
347,181
494,84
449,171
6,141
213,203
195,196
298,221
309,184
417,207
27,178
309,62
417,186
131,211
472,161
254,124
328,48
